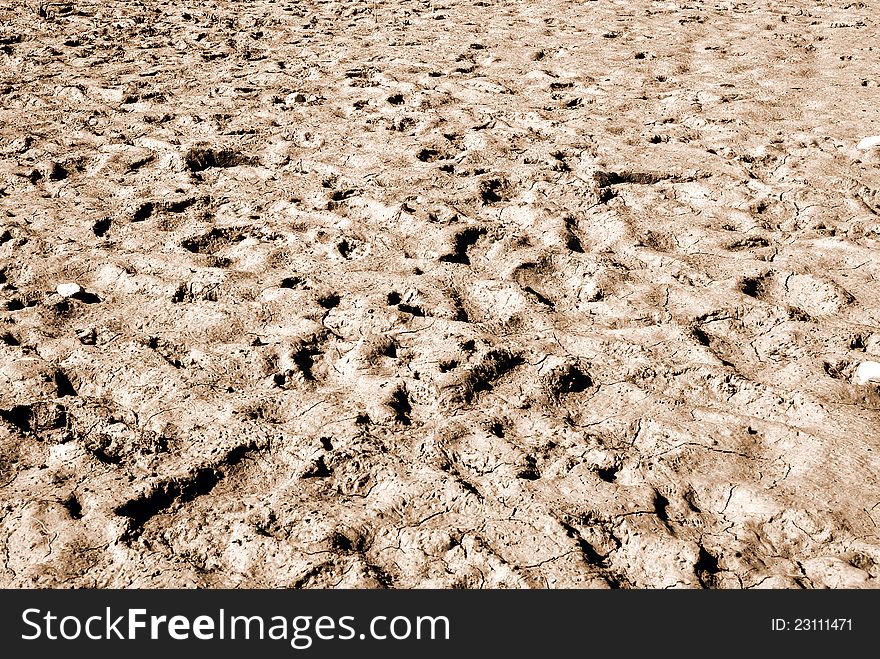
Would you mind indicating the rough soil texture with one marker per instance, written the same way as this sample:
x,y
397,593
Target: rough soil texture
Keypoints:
x,y
455,294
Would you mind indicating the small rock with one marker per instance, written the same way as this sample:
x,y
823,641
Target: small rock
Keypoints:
x,y
867,372
868,143
68,289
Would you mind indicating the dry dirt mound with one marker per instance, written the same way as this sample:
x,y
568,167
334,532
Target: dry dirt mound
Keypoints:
x,y
451,294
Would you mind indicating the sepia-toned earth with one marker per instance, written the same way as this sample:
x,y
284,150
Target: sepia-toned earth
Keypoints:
x,y
451,294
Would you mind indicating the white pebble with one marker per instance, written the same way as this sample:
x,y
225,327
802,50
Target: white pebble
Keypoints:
x,y
868,143
867,372
68,290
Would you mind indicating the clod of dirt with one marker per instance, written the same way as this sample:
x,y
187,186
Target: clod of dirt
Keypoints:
x,y
494,190
36,416
201,157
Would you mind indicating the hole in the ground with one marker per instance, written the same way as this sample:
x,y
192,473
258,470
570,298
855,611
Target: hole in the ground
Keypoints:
x,y
143,212
73,506
63,385
20,416
608,474
101,227
329,301
661,503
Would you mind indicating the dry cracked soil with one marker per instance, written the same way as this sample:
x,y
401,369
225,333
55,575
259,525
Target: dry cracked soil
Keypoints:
x,y
451,294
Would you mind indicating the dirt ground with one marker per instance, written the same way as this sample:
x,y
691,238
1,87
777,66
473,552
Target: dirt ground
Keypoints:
x,y
453,294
